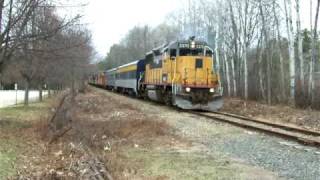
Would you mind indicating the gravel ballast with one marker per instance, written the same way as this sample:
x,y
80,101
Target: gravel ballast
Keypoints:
x,y
286,159
289,159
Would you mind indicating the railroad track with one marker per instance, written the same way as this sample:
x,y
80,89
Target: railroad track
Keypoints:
x,y
298,134
301,135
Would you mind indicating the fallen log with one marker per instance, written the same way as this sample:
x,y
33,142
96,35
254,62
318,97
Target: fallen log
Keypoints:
x,y
59,134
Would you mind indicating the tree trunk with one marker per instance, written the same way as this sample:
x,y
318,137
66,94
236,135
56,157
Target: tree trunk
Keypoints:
x,y
1,84
73,85
245,68
40,93
236,48
261,85
1,14
268,54
311,21
1,28
282,81
49,90
73,90
227,73
300,50
311,88
217,53
287,5
234,83
245,48
26,93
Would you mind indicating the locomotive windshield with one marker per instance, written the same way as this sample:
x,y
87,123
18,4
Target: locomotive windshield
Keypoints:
x,y
191,52
195,52
193,49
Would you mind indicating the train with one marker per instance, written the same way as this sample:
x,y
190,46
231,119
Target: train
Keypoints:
x,y
182,73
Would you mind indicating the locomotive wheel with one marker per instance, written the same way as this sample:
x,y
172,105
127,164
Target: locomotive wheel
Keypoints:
x,y
145,95
168,98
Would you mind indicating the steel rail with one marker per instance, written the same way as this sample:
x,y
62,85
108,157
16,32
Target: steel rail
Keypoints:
x,y
300,135
277,125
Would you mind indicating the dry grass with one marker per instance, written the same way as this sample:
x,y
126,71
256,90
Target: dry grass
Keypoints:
x,y
276,113
18,125
131,143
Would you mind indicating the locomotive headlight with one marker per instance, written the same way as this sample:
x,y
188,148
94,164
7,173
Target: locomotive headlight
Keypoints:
x,y
193,44
164,78
211,90
188,89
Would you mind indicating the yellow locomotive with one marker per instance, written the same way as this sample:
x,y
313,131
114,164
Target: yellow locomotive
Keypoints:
x,y
182,74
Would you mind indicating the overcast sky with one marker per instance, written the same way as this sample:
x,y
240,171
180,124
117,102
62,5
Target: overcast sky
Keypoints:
x,y
110,20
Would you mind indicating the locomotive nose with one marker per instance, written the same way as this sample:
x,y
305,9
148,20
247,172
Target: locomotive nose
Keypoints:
x,y
197,71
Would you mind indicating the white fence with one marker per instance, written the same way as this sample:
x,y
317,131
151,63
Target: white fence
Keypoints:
x,y
8,98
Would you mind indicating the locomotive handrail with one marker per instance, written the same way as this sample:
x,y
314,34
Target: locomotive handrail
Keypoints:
x,y
174,90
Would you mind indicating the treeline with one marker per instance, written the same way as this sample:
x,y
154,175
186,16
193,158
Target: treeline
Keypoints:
x,y
40,49
137,42
263,52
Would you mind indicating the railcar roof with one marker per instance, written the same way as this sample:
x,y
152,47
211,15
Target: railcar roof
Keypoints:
x,y
111,70
123,66
129,64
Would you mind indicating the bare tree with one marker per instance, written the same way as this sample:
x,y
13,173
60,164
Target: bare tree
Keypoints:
x,y
282,76
258,53
268,54
13,25
235,46
260,49
227,72
300,48
311,89
247,25
40,51
288,12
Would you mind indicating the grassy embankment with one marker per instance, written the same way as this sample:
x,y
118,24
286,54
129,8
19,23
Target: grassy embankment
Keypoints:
x,y
14,124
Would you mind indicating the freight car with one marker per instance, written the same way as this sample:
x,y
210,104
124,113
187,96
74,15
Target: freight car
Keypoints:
x,y
181,74
98,79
